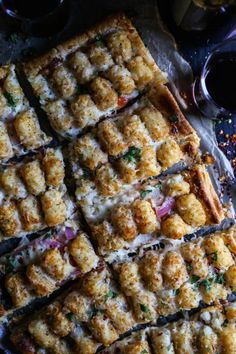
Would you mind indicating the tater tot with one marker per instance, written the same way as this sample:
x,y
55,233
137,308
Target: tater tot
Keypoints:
x,y
6,151
134,131
106,238
213,292
53,263
207,340
82,67
100,57
83,253
230,277
85,111
103,94
28,130
228,339
182,339
169,153
54,168
140,71
59,116
107,181
139,346
187,297
127,170
30,213
149,268
16,287
41,333
89,153
174,227
121,80
191,210
148,165
103,329
144,216
110,138
96,283
218,253
161,341
155,123
122,220
53,207
11,183
9,223
176,187
174,270
79,305
195,256
57,320
64,82
40,281
130,279
120,46
33,177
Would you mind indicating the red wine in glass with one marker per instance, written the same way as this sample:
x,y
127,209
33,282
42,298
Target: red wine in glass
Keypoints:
x,y
215,91
40,18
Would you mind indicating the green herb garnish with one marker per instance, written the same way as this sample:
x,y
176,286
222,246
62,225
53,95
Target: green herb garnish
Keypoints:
x,y
133,155
219,279
93,311
144,308
144,193
194,279
189,267
214,256
176,292
70,316
144,351
10,99
111,295
174,118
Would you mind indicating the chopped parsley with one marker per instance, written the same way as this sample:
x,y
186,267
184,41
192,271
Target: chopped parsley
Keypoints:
x,y
214,256
189,267
144,193
144,351
93,311
70,316
133,155
194,279
174,118
219,279
144,308
10,99
176,292
207,283
111,295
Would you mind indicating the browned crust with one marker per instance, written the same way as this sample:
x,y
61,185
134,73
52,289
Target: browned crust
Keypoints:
x,y
115,22
202,186
162,99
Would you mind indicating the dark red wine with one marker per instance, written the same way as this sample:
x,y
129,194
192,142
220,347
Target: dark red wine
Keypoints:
x,y
32,9
220,82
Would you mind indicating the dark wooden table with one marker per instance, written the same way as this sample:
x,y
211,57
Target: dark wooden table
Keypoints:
x,y
195,47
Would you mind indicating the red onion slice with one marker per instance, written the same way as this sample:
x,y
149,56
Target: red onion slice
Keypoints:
x,y
166,207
